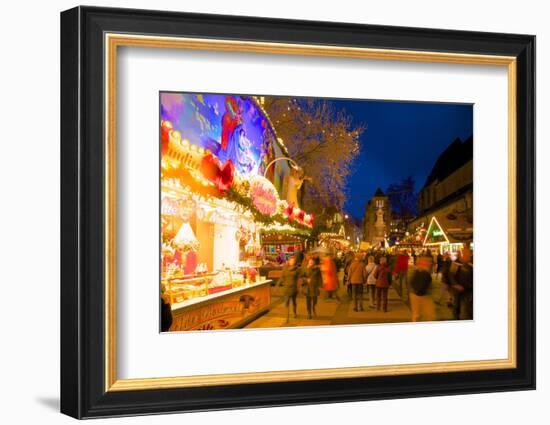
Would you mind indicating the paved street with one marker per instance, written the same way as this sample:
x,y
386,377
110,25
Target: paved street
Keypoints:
x,y
334,312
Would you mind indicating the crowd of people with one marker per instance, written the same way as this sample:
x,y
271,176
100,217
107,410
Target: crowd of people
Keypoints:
x,y
368,276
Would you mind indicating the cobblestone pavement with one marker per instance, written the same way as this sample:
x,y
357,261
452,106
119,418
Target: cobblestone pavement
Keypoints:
x,y
330,311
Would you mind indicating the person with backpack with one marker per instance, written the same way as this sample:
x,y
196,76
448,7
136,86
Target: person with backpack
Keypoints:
x,y
422,305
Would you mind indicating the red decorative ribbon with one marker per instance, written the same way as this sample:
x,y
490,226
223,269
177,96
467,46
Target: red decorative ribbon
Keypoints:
x,y
213,170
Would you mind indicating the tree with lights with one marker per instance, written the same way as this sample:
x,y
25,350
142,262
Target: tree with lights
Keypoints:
x,y
323,141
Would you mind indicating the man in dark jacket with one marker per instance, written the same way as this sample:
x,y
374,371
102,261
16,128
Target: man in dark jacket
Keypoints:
x,y
289,281
357,278
299,257
312,282
445,292
462,287
348,259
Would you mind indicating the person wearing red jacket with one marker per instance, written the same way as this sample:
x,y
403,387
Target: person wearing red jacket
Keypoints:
x,y
401,269
330,278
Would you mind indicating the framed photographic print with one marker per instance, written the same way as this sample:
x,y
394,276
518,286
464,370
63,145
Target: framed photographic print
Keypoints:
x,y
261,212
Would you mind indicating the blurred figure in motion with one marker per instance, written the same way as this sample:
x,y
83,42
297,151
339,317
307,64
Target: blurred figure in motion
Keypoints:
x,y
400,270
462,286
445,288
422,305
330,277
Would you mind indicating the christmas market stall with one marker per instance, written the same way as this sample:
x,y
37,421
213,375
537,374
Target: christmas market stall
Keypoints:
x,y
448,235
333,236
223,192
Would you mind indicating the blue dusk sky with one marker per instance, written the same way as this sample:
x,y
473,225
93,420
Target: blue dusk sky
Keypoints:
x,y
401,139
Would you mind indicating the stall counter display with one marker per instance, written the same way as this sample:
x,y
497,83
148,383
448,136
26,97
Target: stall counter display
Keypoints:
x,y
228,309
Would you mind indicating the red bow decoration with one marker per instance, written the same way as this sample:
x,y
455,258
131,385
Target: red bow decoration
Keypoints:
x,y
288,211
300,216
226,175
221,175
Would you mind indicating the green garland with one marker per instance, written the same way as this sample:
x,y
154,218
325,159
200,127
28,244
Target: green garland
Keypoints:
x,y
293,232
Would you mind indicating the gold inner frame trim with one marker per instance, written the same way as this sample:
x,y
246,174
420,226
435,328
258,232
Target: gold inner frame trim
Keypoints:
x,y
112,41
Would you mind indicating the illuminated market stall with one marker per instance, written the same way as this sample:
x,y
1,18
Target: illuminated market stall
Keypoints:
x,y
220,199
450,238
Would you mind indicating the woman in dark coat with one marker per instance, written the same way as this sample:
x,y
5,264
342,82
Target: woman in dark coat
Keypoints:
x,y
289,281
312,282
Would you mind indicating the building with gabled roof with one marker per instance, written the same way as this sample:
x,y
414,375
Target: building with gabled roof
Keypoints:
x,y
447,198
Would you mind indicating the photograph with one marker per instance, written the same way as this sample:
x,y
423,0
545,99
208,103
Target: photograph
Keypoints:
x,y
290,211
278,210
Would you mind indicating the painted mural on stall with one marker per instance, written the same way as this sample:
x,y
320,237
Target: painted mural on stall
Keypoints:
x,y
231,127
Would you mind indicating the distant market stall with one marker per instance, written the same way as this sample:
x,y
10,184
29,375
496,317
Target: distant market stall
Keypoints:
x,y
448,235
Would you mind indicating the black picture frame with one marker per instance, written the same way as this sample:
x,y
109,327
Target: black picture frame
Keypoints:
x,y
83,392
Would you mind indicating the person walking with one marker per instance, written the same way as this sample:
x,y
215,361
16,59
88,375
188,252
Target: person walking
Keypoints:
x,y
401,270
347,262
289,281
357,278
299,254
371,280
439,262
312,282
330,277
445,293
462,287
422,305
382,284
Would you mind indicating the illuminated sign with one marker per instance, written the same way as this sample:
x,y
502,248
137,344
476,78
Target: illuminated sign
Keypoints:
x,y
435,234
